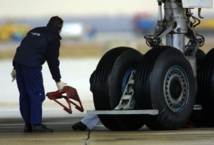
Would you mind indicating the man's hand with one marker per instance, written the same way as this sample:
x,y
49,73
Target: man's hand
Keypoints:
x,y
60,85
13,74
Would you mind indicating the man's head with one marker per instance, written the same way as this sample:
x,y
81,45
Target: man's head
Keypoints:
x,y
56,23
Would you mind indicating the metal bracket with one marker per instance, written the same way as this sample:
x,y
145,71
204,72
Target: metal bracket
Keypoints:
x,y
123,112
127,100
132,112
197,107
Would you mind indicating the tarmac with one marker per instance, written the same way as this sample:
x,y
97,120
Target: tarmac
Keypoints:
x,y
11,133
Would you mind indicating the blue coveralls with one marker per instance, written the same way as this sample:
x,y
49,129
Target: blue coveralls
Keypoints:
x,y
41,44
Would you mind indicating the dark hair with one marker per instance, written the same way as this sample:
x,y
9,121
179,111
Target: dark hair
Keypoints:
x,y
55,22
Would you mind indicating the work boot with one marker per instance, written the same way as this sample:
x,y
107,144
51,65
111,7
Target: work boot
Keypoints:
x,y
28,128
41,128
79,126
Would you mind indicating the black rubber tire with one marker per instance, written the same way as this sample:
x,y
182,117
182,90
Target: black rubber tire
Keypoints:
x,y
200,54
162,72
107,87
197,118
205,88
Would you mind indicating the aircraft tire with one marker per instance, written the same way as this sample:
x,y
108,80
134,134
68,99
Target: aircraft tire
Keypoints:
x,y
109,76
205,88
197,118
165,81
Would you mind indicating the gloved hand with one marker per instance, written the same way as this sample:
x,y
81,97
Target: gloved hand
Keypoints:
x,y
60,85
13,74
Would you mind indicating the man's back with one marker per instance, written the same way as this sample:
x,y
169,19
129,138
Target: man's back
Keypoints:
x,y
33,48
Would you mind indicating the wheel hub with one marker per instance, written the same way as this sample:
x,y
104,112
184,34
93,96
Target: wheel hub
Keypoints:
x,y
176,89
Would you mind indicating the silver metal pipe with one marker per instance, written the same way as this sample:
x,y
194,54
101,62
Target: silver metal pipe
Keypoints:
x,y
160,17
176,40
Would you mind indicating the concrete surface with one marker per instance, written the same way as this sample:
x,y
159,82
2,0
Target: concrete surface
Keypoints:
x,y
11,133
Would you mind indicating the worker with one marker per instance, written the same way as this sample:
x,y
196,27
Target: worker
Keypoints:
x,y
91,120
87,123
40,44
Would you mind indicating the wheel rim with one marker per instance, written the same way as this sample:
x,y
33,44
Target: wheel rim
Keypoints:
x,y
176,88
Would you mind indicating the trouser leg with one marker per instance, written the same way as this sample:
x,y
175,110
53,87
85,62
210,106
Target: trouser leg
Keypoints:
x,y
35,89
24,100
90,120
30,82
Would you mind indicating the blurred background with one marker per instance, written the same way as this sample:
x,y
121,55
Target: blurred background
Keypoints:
x,y
94,25
91,27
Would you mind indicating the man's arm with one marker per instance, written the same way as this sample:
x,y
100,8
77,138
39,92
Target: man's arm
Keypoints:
x,y
52,59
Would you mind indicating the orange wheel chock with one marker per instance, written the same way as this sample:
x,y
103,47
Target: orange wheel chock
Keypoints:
x,y
70,93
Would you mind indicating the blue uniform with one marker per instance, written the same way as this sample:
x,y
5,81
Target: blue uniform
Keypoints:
x,y
41,44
